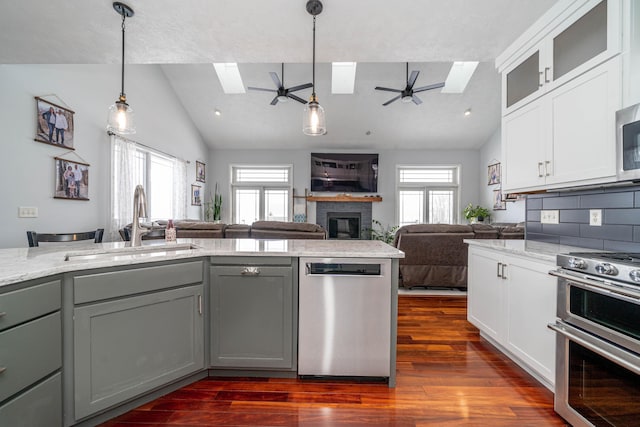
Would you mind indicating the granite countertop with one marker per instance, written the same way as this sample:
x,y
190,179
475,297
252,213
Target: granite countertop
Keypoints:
x,y
20,264
538,250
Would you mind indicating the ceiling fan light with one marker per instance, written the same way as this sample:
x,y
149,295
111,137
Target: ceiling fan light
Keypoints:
x,y
407,99
121,117
282,98
313,119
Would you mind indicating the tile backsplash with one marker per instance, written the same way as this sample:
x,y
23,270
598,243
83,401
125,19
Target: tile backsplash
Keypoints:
x,y
620,229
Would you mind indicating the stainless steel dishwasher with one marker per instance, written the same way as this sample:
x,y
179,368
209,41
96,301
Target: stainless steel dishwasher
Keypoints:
x,y
344,317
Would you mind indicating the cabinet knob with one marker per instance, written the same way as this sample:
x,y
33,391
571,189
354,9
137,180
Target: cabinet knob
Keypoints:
x,y
3,313
2,369
250,271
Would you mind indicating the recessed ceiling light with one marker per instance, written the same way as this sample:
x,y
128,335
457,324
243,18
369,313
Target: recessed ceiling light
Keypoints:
x,y
217,112
459,76
467,112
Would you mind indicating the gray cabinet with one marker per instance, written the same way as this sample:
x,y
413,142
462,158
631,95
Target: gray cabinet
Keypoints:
x,y
126,346
31,355
254,315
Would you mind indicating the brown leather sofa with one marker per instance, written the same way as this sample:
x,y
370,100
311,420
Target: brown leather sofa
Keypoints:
x,y
436,255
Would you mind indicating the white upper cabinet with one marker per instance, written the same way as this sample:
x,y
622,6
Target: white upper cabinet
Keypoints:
x,y
575,36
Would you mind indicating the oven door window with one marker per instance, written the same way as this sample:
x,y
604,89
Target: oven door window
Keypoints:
x,y
601,391
631,146
609,312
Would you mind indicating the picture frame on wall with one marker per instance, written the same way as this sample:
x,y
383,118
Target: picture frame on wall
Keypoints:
x,y
494,174
498,203
72,180
54,124
196,195
200,171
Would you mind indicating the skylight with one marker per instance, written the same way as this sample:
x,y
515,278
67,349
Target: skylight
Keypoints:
x,y
229,77
459,76
343,77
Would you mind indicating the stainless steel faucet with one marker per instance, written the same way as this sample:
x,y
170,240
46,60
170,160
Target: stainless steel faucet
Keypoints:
x,y
139,210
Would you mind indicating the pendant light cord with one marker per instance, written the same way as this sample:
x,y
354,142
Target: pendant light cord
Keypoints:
x,y
122,80
314,57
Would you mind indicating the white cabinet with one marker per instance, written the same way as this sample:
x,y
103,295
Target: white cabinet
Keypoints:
x,y
511,300
566,137
573,37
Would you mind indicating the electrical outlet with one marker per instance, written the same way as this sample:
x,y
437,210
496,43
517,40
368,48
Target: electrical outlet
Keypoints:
x,y
595,217
27,212
550,217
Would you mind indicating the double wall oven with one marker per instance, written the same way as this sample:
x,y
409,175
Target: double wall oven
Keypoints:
x,y
598,339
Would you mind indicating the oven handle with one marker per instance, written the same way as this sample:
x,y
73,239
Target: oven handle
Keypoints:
x,y
608,351
599,287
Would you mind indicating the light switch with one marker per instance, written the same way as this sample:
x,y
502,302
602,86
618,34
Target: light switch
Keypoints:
x,y
595,217
550,217
27,212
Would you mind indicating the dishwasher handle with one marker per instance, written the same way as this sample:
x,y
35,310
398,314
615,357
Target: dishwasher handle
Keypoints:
x,y
343,269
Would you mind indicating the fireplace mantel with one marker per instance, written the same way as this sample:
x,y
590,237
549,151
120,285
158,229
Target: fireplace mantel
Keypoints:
x,y
344,198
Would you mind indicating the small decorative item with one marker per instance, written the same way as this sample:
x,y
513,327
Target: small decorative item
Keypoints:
x,y
170,232
512,197
475,214
494,174
54,124
72,180
498,203
196,199
200,171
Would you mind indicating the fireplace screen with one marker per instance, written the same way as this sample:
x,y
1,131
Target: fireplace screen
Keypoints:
x,y
343,225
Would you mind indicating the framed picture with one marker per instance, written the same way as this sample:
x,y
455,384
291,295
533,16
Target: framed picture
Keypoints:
x,y
498,203
54,124
196,197
494,174
72,180
200,171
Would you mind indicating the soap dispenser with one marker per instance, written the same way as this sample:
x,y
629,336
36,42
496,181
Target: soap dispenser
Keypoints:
x,y
170,232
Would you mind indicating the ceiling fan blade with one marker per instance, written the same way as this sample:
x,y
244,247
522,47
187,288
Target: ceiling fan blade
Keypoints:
x,y
297,98
300,87
416,100
433,86
275,79
391,100
388,89
274,101
412,79
262,89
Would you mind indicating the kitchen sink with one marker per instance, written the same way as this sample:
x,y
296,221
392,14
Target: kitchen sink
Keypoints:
x,y
132,252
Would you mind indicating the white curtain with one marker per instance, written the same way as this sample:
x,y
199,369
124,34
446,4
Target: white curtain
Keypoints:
x,y
179,188
123,173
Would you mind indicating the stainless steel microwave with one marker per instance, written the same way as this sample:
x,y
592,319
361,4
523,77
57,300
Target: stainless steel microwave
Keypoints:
x,y
628,143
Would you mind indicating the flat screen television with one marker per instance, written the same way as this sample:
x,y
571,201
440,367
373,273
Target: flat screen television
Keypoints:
x,y
344,172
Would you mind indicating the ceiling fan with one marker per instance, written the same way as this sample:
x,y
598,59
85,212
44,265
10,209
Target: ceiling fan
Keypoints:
x,y
283,93
408,93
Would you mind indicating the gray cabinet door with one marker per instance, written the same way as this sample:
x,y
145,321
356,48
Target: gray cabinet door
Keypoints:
x,y
125,347
252,317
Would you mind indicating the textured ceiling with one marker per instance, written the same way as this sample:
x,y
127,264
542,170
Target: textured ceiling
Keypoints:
x,y
379,35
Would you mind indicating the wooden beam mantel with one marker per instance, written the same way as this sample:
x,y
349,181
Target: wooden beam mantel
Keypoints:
x,y
344,198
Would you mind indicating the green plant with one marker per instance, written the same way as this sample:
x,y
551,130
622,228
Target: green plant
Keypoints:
x,y
475,212
212,208
380,232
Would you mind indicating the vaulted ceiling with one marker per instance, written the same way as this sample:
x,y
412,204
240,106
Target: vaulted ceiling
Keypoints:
x,y
186,37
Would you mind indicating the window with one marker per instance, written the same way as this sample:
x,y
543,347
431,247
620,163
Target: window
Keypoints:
x,y
427,194
261,193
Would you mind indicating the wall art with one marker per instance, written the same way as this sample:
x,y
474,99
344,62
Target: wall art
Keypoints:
x,y
54,124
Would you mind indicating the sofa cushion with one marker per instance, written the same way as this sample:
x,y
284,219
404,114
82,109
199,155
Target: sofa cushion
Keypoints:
x,y
237,231
198,225
305,227
484,231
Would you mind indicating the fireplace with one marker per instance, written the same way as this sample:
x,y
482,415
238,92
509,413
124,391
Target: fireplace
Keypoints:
x,y
343,225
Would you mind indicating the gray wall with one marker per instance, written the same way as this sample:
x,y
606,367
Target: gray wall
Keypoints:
x,y
620,230
27,174
385,211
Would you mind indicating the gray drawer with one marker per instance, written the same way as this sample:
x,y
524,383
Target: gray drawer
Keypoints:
x,y
38,406
29,352
114,284
28,303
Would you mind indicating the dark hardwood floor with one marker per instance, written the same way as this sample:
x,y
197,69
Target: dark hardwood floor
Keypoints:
x,y
446,376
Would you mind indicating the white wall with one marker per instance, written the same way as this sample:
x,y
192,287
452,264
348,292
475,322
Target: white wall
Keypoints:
x,y
220,160
27,174
490,153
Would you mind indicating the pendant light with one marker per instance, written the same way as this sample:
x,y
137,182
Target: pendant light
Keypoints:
x,y
120,114
313,120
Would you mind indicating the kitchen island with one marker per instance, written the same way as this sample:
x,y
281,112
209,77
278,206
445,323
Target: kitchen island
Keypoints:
x,y
115,327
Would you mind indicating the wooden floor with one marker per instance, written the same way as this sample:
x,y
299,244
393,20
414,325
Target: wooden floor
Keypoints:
x,y
446,376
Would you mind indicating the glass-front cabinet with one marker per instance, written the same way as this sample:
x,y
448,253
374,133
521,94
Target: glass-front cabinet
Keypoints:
x,y
579,39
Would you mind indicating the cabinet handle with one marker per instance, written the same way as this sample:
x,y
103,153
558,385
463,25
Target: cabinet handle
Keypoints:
x,y
547,166
2,369
498,270
3,313
502,273
546,75
200,305
540,80
540,174
250,271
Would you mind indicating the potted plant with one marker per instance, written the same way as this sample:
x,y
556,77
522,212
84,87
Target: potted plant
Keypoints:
x,y
212,208
475,214
380,232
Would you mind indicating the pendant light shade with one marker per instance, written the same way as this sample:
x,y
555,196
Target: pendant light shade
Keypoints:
x,y
121,117
313,119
